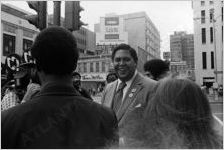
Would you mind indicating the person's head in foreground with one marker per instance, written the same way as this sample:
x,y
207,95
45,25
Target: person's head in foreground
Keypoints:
x,y
55,52
179,116
156,69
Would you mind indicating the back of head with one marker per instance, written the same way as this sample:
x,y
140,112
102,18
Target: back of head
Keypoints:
x,y
182,102
156,67
55,51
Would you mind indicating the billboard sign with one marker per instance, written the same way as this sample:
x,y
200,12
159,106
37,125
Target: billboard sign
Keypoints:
x,y
112,21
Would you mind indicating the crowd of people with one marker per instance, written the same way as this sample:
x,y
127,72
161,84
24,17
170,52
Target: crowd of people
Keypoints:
x,y
136,111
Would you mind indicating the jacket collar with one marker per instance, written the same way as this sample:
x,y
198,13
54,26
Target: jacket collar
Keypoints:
x,y
58,88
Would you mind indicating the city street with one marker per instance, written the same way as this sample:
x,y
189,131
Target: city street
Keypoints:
x,y
217,109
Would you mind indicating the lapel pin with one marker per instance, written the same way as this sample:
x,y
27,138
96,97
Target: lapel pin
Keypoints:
x,y
130,95
133,90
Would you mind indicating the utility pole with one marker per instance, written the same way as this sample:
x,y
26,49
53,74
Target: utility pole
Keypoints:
x,y
57,13
215,53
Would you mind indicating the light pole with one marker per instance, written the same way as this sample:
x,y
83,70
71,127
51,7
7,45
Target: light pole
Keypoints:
x,y
57,13
215,57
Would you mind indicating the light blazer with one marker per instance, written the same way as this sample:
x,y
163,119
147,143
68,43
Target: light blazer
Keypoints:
x,y
137,95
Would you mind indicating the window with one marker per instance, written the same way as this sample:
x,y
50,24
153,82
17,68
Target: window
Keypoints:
x,y
212,60
203,16
203,35
211,34
204,61
222,13
222,34
103,66
85,67
211,2
27,44
97,67
211,14
91,67
202,3
8,44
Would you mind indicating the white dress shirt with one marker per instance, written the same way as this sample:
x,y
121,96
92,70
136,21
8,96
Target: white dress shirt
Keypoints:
x,y
128,84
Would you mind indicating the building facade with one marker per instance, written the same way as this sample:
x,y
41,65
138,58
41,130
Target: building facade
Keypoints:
x,y
208,41
17,34
135,29
182,50
93,71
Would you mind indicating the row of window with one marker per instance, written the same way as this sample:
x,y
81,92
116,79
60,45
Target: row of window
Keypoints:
x,y
211,16
82,67
9,45
204,60
203,3
203,35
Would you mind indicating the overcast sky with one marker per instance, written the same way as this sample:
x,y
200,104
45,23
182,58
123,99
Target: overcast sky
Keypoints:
x,y
168,16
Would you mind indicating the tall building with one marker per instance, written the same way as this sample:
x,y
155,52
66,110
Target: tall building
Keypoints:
x,y
188,50
17,34
135,29
86,39
182,53
208,41
182,48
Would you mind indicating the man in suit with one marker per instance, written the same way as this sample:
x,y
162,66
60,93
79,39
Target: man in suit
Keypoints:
x,y
131,90
58,116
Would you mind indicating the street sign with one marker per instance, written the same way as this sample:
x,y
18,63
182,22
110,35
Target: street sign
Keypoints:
x,y
12,62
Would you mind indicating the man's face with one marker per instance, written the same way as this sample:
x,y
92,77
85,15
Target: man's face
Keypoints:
x,y
76,80
124,65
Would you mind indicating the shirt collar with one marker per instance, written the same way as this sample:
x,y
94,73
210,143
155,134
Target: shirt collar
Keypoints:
x,y
129,82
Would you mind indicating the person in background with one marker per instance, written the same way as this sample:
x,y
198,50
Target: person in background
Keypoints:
x,y
57,116
76,78
111,77
156,69
16,89
178,116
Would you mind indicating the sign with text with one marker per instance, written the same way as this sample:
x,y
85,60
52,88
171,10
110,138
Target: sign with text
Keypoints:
x,y
93,77
112,21
111,36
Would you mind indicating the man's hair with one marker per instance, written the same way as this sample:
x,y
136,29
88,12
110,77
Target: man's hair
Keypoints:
x,y
156,67
128,48
74,73
55,51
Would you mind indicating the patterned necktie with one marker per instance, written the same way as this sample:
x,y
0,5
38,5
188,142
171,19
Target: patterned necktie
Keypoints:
x,y
118,97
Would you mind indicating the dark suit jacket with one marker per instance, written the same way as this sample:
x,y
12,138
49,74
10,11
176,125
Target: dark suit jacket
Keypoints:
x,y
58,117
138,95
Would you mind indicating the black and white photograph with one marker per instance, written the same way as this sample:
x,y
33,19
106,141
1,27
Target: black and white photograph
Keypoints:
x,y
109,74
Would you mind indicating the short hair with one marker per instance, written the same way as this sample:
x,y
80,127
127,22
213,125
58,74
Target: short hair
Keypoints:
x,y
128,48
109,75
156,67
74,73
55,51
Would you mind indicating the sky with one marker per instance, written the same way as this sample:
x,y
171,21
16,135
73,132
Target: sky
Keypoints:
x,y
167,16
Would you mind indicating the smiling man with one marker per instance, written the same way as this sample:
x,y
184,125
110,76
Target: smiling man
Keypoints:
x,y
131,90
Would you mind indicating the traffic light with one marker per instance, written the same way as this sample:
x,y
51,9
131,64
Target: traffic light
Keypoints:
x,y
72,15
39,20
